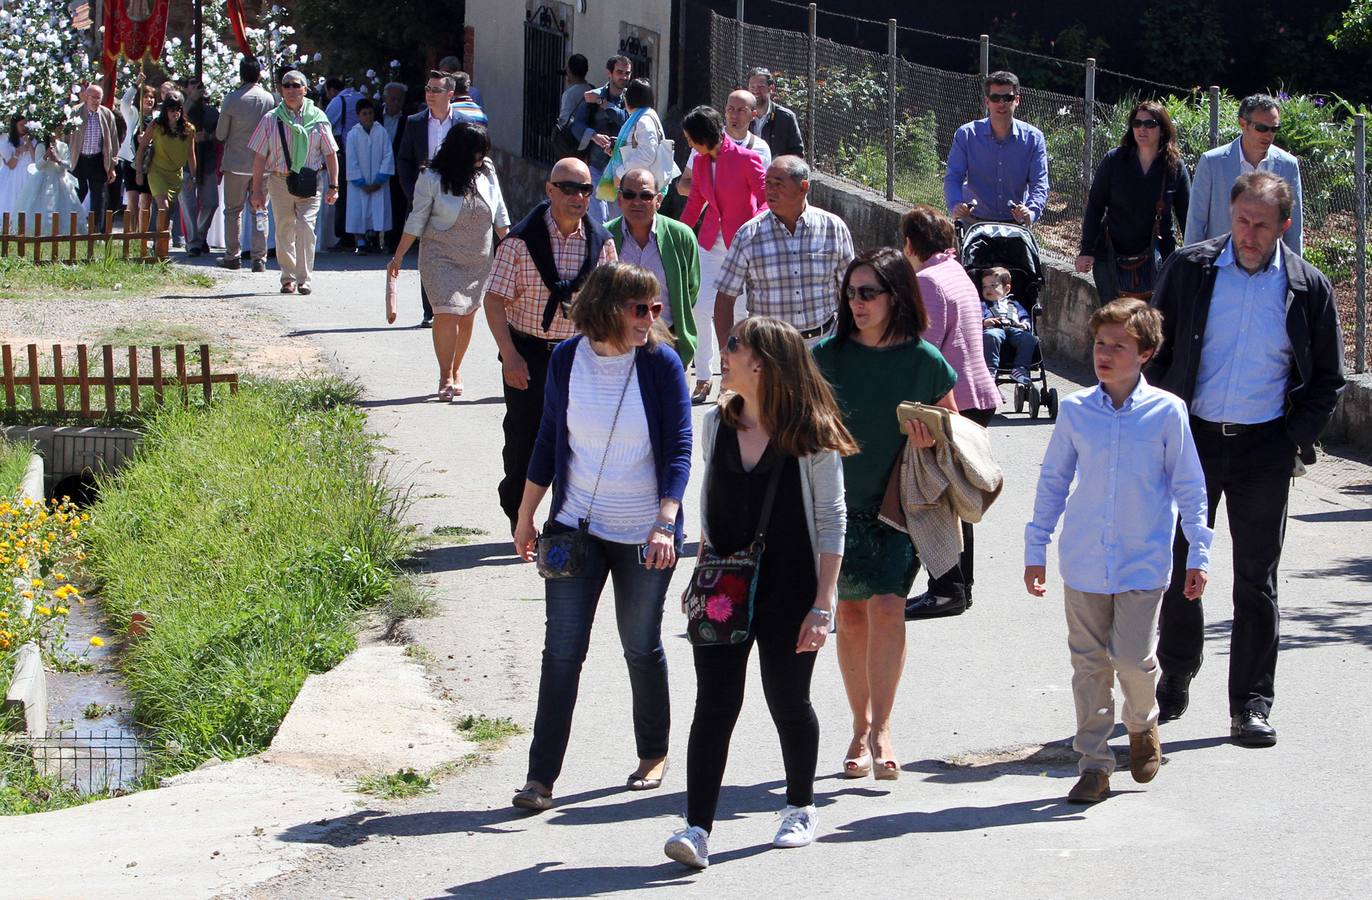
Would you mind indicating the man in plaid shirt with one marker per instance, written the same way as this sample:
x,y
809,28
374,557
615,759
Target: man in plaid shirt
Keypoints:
x,y
790,258
516,305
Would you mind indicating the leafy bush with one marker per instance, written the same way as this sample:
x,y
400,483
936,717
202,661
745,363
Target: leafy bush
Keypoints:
x,y
919,166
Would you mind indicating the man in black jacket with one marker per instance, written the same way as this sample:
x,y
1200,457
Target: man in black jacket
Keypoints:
x,y
775,123
422,135
1251,342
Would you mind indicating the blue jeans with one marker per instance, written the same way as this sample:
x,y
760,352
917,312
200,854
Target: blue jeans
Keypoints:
x,y
571,605
1022,344
598,210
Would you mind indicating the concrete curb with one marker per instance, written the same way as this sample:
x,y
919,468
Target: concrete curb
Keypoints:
x,y
28,690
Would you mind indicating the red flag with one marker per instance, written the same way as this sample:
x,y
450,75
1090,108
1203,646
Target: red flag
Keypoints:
x,y
235,10
135,30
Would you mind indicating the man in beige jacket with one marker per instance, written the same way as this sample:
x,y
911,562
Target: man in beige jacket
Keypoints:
x,y
243,109
94,144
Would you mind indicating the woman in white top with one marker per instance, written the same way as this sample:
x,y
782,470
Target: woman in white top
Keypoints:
x,y
138,117
640,149
16,156
615,445
457,207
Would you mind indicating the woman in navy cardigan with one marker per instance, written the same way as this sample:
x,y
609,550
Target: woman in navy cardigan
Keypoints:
x,y
615,445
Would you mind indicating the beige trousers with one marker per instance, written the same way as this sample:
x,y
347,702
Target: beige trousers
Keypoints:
x,y
1112,635
294,218
236,189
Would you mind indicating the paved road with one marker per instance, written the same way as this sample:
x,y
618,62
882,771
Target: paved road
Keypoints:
x,y
983,714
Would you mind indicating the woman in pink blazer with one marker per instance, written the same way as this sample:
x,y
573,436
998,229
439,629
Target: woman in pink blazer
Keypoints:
x,y
726,183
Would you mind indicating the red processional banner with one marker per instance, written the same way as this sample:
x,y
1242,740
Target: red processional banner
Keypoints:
x,y
235,10
134,29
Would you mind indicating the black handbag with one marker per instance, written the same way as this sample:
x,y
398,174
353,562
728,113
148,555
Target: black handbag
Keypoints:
x,y
719,600
561,551
566,142
304,183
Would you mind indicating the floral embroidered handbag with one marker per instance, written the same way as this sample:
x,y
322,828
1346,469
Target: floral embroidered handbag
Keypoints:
x,y
719,600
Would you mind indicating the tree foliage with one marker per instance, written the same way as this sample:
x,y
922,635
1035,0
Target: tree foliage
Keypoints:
x,y
355,35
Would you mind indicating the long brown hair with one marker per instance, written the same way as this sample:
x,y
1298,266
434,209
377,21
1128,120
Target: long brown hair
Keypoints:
x,y
798,408
1168,148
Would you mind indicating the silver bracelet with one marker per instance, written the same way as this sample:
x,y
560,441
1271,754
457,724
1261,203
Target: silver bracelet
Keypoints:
x,y
824,613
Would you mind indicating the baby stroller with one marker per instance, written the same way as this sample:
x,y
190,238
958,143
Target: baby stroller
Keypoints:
x,y
987,244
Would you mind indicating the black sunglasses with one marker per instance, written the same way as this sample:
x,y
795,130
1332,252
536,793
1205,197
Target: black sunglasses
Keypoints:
x,y
1150,124
867,292
1263,129
640,195
643,310
572,188
733,343
1001,98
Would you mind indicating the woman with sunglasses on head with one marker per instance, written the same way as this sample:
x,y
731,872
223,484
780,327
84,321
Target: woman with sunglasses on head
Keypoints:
x,y
1140,187
457,204
172,140
776,421
875,360
615,445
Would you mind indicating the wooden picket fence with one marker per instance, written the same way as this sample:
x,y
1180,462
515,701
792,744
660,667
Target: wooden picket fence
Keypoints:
x,y
24,235
180,379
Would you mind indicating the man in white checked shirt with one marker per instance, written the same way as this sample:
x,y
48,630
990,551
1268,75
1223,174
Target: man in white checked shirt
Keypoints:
x,y
789,258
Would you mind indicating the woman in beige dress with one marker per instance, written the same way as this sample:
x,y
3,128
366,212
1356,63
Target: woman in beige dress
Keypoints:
x,y
458,210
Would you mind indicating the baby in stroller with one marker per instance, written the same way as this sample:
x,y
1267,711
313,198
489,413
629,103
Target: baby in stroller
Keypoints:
x,y
1006,326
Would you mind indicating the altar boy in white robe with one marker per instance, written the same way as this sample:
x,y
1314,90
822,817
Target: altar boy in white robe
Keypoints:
x,y
370,164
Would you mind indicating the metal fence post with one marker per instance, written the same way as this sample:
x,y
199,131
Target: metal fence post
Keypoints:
x,y
738,46
1088,153
812,91
1360,299
891,109
1214,116
985,55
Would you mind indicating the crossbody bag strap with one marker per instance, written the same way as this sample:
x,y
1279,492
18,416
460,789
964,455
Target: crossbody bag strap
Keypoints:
x,y
613,424
760,539
285,145
1162,195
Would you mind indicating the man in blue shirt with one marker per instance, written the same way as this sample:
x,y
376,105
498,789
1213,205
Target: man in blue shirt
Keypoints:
x,y
1252,344
998,166
599,121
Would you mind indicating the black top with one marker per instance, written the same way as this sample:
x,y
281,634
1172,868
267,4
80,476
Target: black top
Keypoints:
x,y
1124,200
735,501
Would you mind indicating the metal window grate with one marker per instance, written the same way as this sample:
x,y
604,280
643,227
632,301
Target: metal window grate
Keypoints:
x,y
545,54
90,762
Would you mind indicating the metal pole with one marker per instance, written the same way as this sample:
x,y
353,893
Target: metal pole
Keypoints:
x,y
199,39
738,45
678,45
1088,154
1360,302
812,91
985,55
891,109
1214,116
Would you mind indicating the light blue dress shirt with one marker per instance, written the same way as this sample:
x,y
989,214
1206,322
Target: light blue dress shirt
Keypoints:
x,y
1135,468
1245,362
995,173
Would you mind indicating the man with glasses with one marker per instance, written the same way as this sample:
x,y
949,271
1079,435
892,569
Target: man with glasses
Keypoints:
x,y
771,121
599,121
419,141
998,166
663,246
1253,150
537,271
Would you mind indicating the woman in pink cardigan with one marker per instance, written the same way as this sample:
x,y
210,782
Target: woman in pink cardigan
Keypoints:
x,y
953,305
726,183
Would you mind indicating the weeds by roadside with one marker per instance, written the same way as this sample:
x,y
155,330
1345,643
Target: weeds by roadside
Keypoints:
x,y
490,733
459,534
23,790
109,276
406,783
14,462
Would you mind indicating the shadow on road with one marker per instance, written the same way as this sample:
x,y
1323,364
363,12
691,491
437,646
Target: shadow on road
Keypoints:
x,y
460,557
426,398
956,818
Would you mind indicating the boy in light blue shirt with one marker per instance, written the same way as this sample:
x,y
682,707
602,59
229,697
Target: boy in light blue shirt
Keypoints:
x,y
1130,448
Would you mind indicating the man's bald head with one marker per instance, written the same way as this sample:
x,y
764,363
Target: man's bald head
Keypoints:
x,y
569,169
572,175
738,112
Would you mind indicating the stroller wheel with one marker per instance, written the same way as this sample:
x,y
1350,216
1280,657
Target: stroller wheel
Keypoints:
x,y
1034,402
1019,398
1053,403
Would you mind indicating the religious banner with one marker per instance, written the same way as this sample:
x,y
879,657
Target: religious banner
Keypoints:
x,y
236,24
134,29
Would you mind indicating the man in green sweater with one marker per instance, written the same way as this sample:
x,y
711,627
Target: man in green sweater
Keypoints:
x,y
663,246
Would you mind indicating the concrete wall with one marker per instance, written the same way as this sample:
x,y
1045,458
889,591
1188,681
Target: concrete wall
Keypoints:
x,y
521,181
498,42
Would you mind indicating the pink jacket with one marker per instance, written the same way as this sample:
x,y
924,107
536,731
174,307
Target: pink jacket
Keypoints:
x,y
954,309
730,196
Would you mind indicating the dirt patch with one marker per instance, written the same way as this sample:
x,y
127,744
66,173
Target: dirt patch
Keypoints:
x,y
1031,758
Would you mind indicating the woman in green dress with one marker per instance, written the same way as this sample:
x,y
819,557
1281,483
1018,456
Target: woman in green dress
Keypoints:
x,y
875,360
172,141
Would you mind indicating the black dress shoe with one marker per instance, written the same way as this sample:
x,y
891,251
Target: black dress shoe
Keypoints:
x,y
929,605
1251,729
1174,694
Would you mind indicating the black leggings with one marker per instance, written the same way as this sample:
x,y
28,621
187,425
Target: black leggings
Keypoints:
x,y
720,676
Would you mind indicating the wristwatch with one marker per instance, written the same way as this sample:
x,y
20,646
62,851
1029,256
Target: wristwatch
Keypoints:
x,y
665,527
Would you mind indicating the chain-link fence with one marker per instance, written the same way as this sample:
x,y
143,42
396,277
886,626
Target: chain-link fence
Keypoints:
x,y
897,141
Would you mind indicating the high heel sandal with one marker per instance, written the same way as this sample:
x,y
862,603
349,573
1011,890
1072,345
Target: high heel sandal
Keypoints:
x,y
858,766
886,770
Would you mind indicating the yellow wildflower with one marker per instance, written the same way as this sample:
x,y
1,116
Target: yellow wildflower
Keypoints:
x,y
62,610
42,610
58,576
97,641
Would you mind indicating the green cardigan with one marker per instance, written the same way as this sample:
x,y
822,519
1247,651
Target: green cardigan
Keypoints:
x,y
680,252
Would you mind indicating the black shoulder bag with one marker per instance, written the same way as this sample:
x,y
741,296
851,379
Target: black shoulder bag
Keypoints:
x,y
304,183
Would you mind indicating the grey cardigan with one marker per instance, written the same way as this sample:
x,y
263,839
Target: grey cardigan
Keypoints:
x,y
821,486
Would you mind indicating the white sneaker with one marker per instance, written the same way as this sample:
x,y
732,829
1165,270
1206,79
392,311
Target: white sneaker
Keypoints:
x,y
798,826
689,846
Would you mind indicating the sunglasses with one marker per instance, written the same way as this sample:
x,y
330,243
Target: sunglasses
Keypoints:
x,y
1150,124
644,310
1001,98
573,188
430,89
292,86
1263,129
732,343
640,195
865,292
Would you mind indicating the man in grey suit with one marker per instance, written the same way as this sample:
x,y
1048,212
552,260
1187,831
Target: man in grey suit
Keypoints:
x,y
1253,150
243,109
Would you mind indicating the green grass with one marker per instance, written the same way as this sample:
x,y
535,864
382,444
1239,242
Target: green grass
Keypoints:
x,y
253,532
410,600
488,732
397,785
109,277
460,534
24,791
14,462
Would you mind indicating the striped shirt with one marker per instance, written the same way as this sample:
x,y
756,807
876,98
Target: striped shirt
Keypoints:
x,y
266,141
626,501
468,109
792,277
90,140
514,278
